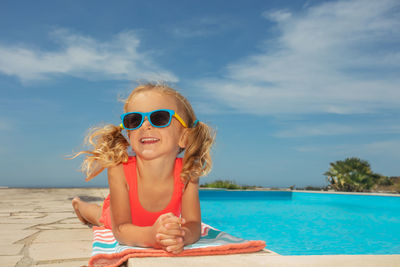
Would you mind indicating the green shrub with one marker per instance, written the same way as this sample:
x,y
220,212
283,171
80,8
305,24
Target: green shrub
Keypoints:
x,y
353,174
226,184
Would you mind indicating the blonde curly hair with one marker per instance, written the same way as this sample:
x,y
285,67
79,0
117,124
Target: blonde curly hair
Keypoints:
x,y
110,147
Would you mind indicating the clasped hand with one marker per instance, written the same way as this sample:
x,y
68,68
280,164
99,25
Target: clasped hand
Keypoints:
x,y
169,234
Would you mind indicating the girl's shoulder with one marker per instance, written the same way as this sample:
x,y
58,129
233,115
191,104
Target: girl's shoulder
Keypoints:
x,y
119,169
115,170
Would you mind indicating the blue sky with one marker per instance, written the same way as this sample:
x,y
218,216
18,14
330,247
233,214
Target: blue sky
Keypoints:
x,y
290,86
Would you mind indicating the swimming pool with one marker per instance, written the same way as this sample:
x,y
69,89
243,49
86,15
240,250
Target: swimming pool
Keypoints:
x,y
296,223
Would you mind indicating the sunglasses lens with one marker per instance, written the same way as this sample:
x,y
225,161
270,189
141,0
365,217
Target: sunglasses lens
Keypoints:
x,y
160,118
132,120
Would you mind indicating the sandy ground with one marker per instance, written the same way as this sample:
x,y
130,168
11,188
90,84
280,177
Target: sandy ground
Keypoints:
x,y
39,228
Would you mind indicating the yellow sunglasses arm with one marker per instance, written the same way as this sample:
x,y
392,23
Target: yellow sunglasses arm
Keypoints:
x,y
180,120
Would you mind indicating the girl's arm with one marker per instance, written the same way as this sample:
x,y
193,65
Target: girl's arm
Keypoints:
x,y
191,213
123,229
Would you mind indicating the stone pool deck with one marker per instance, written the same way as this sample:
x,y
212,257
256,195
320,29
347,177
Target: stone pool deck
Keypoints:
x,y
38,228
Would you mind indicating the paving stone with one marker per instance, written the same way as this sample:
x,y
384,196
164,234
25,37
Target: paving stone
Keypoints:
x,y
21,221
56,217
7,227
8,208
9,235
72,220
27,215
64,263
70,226
255,259
9,260
55,208
10,249
43,227
43,219
61,236
61,226
31,221
60,250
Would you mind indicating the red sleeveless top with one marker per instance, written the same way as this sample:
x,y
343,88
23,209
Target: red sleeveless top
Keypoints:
x,y
141,216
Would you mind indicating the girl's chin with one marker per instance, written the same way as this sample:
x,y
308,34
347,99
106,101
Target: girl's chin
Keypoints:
x,y
150,154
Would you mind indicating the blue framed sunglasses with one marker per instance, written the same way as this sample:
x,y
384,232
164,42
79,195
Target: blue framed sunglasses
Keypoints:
x,y
158,118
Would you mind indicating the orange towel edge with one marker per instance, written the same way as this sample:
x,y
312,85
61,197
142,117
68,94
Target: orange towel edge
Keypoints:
x,y
250,246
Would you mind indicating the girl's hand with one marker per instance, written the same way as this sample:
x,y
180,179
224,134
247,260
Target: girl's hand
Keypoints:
x,y
170,244
168,233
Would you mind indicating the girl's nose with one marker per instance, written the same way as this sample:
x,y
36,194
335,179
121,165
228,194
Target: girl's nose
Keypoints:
x,y
146,123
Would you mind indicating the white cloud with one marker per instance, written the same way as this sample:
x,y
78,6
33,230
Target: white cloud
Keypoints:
x,y
375,149
384,148
202,27
331,129
318,130
84,57
338,57
277,16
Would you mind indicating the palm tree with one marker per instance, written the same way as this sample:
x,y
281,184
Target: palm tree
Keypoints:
x,y
352,174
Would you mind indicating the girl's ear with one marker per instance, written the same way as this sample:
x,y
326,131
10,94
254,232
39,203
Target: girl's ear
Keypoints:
x,y
183,139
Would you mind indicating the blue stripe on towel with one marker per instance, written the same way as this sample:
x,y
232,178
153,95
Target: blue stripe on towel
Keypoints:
x,y
212,234
105,245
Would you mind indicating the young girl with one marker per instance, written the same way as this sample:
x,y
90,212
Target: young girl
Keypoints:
x,y
153,200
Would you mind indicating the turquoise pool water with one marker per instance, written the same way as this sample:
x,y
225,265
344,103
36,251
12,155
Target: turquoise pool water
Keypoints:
x,y
294,223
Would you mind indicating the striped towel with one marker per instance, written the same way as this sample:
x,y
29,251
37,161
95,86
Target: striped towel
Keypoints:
x,y
108,252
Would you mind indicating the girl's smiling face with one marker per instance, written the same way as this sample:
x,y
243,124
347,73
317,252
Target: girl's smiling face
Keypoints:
x,y
150,142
